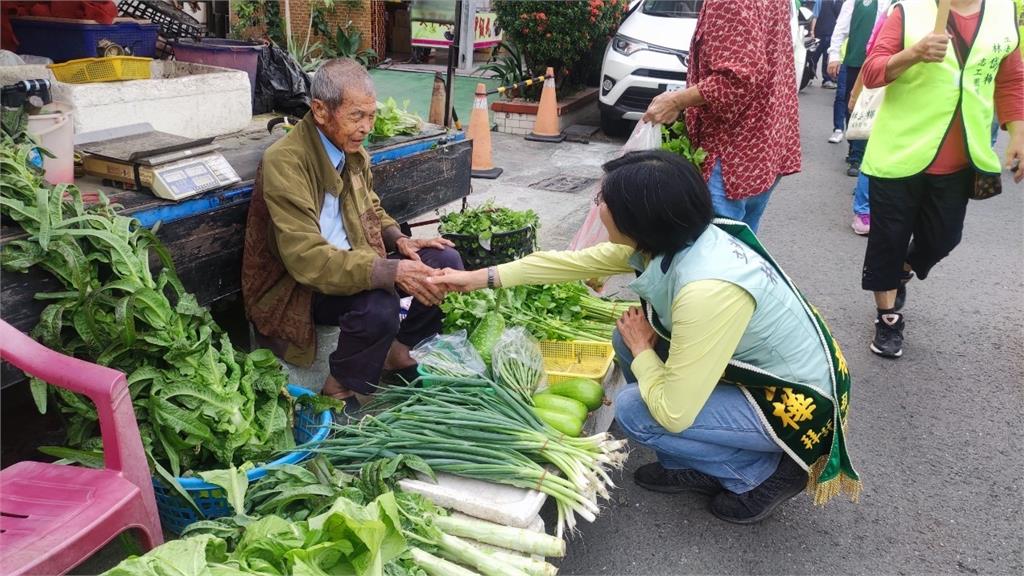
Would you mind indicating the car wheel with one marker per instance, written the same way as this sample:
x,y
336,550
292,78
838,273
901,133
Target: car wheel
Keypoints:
x,y
613,126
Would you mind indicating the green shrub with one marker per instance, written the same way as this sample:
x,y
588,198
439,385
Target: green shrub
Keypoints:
x,y
559,34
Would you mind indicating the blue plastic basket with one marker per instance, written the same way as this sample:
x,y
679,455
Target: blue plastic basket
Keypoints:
x,y
176,513
62,40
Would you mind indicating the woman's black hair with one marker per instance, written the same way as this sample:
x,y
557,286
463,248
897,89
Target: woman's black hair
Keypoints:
x,y
658,199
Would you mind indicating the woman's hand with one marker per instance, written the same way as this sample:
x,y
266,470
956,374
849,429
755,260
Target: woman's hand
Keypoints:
x,y
664,109
462,281
636,332
931,48
409,247
1015,150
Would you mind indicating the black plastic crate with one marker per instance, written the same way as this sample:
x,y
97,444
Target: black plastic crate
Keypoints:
x,y
173,22
505,247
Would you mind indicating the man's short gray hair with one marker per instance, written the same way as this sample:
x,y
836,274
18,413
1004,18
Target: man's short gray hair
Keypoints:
x,y
337,77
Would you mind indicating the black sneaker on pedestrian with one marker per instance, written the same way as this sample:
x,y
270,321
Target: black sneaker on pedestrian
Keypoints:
x,y
787,481
901,292
888,340
657,478
853,171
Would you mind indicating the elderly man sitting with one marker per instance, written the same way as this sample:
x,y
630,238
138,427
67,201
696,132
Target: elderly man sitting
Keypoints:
x,y
317,246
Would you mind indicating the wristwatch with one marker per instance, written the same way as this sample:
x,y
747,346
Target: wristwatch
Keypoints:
x,y
490,276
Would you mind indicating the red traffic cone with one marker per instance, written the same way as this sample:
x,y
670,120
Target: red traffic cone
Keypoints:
x,y
545,127
480,134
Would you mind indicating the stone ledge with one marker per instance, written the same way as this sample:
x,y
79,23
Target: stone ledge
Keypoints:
x,y
571,104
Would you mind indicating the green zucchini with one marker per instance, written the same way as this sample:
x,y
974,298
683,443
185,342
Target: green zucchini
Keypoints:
x,y
562,422
584,390
562,404
486,334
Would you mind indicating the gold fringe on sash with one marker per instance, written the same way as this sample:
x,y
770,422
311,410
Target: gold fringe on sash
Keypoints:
x,y
822,492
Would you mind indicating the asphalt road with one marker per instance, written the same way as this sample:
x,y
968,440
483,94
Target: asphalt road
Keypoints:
x,y
936,435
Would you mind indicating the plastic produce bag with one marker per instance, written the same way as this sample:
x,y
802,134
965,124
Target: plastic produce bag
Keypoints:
x,y
281,85
517,362
449,355
645,136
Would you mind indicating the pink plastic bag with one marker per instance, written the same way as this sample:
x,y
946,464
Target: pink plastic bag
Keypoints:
x,y
644,137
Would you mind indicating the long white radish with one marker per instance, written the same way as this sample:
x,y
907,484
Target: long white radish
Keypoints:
x,y
435,566
517,539
464,552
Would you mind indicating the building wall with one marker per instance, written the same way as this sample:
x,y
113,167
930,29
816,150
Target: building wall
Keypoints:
x,y
359,12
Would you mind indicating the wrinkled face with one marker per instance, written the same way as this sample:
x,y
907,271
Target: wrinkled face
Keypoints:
x,y
348,124
614,235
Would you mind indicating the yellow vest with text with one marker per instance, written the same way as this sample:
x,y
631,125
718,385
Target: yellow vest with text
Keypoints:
x,y
919,106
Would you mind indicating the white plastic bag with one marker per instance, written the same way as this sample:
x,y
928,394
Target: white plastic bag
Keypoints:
x,y
644,137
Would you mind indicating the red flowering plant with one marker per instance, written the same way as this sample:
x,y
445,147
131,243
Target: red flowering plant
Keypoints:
x,y
559,34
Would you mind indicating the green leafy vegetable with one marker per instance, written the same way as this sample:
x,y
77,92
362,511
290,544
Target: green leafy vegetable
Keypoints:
x,y
552,312
392,120
676,140
486,220
199,402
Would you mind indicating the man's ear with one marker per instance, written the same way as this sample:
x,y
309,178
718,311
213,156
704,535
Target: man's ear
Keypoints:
x,y
319,110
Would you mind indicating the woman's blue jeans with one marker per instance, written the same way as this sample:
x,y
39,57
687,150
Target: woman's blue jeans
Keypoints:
x,y
748,210
727,440
861,200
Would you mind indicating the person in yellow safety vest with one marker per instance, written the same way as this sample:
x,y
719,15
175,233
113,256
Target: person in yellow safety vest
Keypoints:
x,y
929,145
1020,25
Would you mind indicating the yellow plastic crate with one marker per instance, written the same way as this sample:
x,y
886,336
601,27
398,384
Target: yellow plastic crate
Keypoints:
x,y
568,360
107,69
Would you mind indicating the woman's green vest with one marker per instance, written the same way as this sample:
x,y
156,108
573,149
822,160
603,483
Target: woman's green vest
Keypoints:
x,y
919,106
787,363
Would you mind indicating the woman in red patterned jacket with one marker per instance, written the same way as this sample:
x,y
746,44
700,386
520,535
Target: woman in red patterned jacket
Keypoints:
x,y
741,103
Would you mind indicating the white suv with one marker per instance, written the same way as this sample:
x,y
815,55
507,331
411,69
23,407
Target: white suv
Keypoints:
x,y
649,55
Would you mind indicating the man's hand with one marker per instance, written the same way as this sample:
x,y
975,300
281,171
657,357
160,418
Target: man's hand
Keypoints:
x,y
1015,151
636,332
460,280
931,48
833,68
412,277
409,247
664,109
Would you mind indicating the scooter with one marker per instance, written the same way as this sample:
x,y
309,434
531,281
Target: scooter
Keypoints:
x,y
811,45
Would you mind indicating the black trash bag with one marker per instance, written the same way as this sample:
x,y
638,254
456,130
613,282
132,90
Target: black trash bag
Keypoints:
x,y
281,85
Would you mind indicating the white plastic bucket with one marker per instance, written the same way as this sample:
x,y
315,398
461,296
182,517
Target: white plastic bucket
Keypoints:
x,y
56,132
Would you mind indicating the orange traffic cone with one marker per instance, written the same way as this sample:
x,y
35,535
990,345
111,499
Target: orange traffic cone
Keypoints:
x,y
436,114
480,134
545,128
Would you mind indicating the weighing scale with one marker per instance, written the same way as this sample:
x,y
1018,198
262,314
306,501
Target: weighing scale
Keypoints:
x,y
172,167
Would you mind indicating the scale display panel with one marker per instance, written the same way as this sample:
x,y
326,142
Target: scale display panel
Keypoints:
x,y
179,180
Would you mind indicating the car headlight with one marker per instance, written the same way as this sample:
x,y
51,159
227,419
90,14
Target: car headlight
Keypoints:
x,y
627,46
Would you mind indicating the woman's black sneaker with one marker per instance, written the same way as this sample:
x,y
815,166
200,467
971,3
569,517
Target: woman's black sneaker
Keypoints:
x,y
888,340
787,481
656,477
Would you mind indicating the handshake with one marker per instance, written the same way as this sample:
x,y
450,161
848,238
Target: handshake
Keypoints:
x,y
430,285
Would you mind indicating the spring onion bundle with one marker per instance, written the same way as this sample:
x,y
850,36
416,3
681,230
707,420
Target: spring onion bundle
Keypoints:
x,y
479,429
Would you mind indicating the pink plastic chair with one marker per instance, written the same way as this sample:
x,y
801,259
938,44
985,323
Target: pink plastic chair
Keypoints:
x,y
53,517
